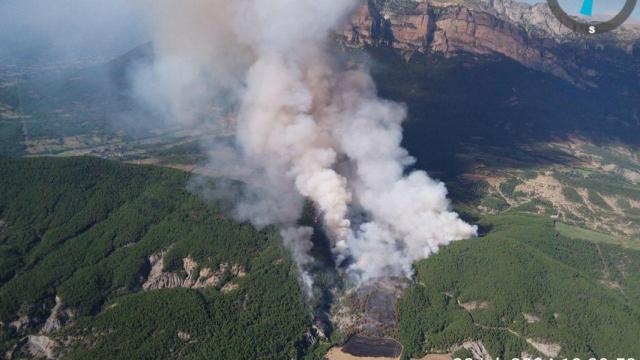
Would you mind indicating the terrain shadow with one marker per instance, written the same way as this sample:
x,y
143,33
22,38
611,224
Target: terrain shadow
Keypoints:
x,y
490,110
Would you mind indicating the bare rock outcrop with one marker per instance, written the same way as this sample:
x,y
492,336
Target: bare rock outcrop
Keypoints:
x,y
549,349
477,349
206,277
21,324
474,305
531,318
183,335
40,346
158,279
58,317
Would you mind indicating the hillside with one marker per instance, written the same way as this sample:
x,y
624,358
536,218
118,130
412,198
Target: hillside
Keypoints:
x,y
81,243
80,277
524,288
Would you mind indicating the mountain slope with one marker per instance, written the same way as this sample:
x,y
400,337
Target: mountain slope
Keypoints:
x,y
105,260
80,277
524,289
468,106
527,34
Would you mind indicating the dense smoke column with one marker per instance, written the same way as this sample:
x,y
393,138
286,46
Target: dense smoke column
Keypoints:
x,y
306,129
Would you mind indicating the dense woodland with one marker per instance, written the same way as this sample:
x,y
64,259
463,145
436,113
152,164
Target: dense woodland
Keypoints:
x,y
524,267
82,229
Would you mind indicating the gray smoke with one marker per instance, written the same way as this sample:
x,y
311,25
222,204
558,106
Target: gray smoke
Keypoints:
x,y
305,128
298,241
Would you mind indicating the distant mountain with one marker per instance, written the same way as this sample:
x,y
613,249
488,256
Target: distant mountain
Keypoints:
x,y
529,34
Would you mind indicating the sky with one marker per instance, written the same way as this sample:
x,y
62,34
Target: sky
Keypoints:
x,y
600,7
63,30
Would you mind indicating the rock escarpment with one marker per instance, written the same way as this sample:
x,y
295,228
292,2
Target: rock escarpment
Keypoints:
x,y
527,34
58,317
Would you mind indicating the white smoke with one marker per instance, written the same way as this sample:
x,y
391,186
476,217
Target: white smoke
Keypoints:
x,y
298,241
305,127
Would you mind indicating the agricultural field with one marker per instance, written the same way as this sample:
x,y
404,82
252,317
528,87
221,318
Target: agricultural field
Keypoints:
x,y
81,111
594,196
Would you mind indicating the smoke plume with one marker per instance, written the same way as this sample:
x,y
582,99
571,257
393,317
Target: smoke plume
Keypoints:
x,y
306,128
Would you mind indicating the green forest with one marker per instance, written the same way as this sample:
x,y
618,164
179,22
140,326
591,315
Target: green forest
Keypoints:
x,y
82,229
525,281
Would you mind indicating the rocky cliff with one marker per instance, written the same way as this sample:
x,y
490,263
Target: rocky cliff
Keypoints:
x,y
527,34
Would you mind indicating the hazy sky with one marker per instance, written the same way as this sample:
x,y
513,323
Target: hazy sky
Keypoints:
x,y
60,30
600,7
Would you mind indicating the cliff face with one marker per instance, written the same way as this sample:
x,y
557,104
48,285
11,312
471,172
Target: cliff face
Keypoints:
x,y
527,34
